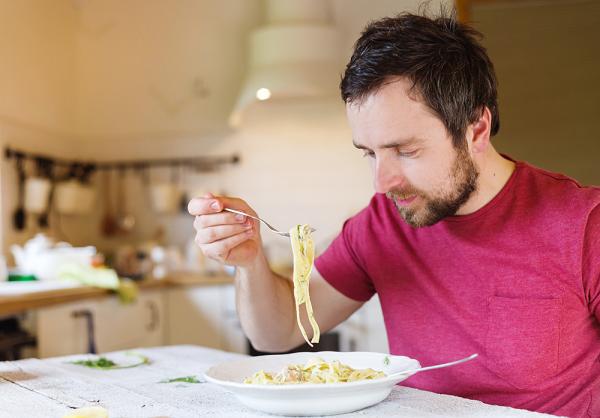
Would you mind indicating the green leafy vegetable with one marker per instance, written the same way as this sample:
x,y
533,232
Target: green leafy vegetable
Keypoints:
x,y
386,361
104,363
100,363
186,379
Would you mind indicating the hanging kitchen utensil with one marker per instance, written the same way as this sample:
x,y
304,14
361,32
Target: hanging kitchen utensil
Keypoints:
x,y
109,224
75,195
125,221
175,189
86,172
145,175
19,214
183,203
45,167
86,192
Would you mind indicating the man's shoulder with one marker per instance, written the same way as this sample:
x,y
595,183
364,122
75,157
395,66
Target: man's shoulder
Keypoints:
x,y
556,188
377,216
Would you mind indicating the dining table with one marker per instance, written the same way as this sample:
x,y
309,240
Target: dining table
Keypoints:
x,y
155,388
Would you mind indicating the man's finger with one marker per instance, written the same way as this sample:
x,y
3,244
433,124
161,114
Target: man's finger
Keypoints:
x,y
218,233
219,250
221,218
203,206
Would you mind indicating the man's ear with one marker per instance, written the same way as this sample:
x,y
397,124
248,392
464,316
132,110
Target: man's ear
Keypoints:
x,y
478,132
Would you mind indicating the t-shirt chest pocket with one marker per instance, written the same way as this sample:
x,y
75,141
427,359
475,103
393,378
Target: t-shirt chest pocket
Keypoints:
x,y
522,339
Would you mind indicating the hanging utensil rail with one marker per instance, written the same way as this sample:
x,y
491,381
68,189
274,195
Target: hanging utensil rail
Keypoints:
x,y
199,162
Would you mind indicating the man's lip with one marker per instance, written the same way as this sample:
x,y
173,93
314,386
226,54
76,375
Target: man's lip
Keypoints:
x,y
405,202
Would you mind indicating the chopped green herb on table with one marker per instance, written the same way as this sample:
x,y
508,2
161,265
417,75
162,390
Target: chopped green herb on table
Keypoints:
x,y
104,363
186,379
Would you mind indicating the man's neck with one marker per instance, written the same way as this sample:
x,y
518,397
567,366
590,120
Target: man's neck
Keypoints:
x,y
494,172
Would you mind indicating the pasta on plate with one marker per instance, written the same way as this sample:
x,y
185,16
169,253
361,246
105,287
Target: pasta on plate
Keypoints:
x,y
316,370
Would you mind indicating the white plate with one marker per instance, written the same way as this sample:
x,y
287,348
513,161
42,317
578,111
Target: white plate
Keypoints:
x,y
310,398
123,360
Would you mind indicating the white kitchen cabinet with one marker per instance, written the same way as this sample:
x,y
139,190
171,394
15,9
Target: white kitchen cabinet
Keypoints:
x,y
204,315
63,329
233,339
140,324
59,332
364,330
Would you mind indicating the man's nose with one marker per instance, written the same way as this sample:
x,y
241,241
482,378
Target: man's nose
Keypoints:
x,y
387,177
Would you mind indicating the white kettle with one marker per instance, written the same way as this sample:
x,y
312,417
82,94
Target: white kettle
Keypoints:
x,y
42,258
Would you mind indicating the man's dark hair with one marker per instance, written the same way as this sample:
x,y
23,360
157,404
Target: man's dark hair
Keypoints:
x,y
449,68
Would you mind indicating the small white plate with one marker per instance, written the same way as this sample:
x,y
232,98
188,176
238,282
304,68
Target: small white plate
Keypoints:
x,y
310,399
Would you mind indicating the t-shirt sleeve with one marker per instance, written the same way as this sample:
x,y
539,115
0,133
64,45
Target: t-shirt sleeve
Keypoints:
x,y
591,262
341,267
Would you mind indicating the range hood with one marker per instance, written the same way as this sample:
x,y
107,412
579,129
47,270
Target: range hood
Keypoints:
x,y
295,55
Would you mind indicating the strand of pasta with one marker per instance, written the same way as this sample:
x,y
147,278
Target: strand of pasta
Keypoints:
x,y
304,252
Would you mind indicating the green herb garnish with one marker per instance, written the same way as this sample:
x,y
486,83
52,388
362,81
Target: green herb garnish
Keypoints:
x,y
186,379
100,363
386,360
104,363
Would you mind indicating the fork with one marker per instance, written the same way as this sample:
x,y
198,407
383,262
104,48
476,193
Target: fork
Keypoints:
x,y
272,228
437,366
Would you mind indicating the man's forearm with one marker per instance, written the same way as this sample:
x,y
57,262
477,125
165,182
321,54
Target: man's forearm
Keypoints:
x,y
265,305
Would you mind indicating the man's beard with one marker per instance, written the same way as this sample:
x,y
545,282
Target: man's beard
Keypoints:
x,y
446,203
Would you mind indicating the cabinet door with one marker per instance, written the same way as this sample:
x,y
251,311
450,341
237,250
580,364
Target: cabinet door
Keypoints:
x,y
60,331
122,326
63,330
206,316
364,330
233,338
194,316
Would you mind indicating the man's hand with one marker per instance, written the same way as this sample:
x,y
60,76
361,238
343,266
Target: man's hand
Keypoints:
x,y
224,236
271,323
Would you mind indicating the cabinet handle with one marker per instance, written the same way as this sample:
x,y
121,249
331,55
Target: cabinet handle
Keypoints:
x,y
154,316
89,319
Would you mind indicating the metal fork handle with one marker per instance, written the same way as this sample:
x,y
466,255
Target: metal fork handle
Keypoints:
x,y
437,366
285,234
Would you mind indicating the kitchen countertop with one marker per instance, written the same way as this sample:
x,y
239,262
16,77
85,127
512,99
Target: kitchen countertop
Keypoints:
x,y
53,387
14,302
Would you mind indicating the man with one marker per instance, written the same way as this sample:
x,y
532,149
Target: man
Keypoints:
x,y
468,250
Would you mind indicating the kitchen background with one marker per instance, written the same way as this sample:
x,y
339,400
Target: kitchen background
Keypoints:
x,y
114,81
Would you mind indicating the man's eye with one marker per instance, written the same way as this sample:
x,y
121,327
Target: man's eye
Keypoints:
x,y
408,154
368,153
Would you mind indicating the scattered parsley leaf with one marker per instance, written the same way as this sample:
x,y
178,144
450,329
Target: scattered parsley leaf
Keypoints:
x,y
104,363
100,363
186,379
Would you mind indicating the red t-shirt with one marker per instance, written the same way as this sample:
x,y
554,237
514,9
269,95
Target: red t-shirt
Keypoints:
x,y
517,282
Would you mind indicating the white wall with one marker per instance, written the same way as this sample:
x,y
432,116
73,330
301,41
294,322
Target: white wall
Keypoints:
x,y
37,80
159,69
37,74
547,61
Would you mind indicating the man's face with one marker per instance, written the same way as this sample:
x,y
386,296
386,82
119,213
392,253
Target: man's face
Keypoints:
x,y
412,155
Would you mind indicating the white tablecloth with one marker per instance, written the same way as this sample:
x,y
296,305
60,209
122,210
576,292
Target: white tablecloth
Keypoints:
x,y
52,387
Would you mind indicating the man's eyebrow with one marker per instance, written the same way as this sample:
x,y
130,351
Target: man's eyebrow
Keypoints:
x,y
394,144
